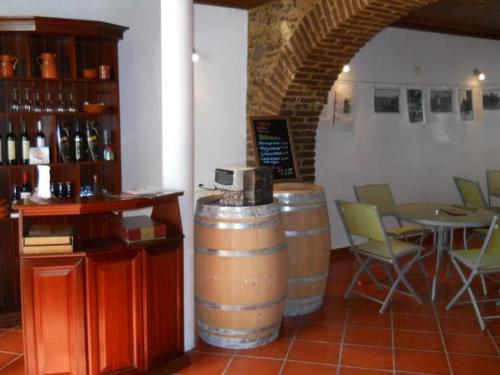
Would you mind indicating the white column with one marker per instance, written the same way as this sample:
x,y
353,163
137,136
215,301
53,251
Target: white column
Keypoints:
x,y
178,130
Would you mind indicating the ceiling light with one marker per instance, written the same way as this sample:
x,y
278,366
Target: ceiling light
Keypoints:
x,y
195,57
481,76
346,69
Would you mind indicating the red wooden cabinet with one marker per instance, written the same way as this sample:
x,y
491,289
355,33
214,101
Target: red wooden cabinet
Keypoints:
x,y
114,305
54,316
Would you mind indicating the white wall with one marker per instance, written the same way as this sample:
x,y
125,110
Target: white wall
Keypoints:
x,y
220,40
140,71
418,160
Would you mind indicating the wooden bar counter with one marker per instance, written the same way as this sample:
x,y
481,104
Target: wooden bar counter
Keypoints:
x,y
107,307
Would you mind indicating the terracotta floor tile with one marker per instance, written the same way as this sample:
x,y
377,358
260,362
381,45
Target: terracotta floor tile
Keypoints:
x,y
413,308
369,318
467,365
368,336
253,366
12,341
419,361
326,315
359,303
6,358
206,364
469,344
335,300
367,357
320,332
415,322
320,352
15,368
362,371
461,326
276,349
298,368
202,346
418,340
288,328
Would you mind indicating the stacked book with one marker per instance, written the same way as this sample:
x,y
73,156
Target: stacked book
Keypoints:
x,y
42,239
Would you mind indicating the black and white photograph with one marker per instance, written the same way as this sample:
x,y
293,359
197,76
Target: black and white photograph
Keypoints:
x,y
343,104
491,99
415,105
386,100
441,101
465,104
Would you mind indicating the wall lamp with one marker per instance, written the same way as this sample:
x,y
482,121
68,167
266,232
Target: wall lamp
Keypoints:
x,y
477,73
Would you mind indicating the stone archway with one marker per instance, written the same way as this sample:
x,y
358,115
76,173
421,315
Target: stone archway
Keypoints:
x,y
296,50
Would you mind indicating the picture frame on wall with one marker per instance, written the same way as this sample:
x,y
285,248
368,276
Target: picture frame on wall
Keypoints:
x,y
441,101
386,100
491,99
415,101
465,104
343,104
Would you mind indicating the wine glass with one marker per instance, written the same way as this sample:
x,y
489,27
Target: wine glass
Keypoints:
x,y
14,104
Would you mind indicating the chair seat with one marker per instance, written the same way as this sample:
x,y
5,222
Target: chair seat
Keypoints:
x,y
406,230
378,248
496,210
490,261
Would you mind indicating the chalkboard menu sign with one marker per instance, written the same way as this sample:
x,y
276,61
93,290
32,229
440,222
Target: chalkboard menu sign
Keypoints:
x,y
273,146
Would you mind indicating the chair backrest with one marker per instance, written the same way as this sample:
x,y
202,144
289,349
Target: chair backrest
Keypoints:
x,y
492,241
361,220
470,192
492,183
379,195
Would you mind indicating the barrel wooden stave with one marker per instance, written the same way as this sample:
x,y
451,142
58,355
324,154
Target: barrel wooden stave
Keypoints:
x,y
307,232
241,274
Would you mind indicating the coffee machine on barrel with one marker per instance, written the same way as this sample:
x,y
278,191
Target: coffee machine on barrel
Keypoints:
x,y
244,186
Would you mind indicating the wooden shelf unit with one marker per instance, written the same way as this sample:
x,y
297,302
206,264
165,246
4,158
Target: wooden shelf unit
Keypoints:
x,y
78,45
119,306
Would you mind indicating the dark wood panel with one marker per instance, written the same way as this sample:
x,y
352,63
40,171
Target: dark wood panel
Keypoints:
x,y
114,298
163,319
9,273
53,316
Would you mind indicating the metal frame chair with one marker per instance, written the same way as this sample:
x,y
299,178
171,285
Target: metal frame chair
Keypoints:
x,y
363,220
470,193
492,183
480,262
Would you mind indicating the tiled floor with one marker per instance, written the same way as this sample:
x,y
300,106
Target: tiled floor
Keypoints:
x,y
351,337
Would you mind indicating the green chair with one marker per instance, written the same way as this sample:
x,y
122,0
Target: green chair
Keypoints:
x,y
363,220
480,262
471,193
492,184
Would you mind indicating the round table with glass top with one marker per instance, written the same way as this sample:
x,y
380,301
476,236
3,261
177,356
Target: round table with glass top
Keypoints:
x,y
443,217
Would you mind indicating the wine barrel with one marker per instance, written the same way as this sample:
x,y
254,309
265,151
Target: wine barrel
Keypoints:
x,y
240,273
307,232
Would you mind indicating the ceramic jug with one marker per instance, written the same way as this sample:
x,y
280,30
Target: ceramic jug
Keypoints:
x,y
47,62
7,65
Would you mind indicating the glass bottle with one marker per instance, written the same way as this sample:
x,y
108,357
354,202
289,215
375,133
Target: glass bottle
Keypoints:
x,y
60,106
25,189
14,104
70,104
49,105
27,104
11,145
39,137
78,143
108,153
37,104
25,143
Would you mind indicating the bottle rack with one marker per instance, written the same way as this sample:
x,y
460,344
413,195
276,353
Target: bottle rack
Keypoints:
x,y
78,45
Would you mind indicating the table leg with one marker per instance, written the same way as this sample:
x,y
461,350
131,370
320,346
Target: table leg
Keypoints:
x,y
440,235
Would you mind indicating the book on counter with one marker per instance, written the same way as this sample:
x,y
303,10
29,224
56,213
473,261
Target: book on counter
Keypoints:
x,y
135,229
41,238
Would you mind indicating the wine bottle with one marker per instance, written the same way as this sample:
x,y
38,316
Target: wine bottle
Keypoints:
x,y
63,143
25,189
39,137
78,143
15,195
92,141
11,146
25,144
108,154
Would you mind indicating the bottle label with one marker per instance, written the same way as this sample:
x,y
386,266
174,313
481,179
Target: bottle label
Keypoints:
x,y
40,142
26,149
11,150
78,149
25,195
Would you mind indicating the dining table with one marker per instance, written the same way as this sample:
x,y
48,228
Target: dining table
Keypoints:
x,y
443,218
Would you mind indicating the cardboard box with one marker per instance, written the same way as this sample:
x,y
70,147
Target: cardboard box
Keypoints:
x,y
140,229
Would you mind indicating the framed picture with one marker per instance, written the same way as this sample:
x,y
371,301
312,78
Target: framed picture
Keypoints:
x,y
465,104
441,101
415,101
343,104
386,100
491,99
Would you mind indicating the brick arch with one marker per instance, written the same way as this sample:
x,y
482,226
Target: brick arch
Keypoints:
x,y
296,53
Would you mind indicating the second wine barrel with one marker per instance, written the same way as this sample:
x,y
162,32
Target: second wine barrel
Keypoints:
x,y
307,231
241,273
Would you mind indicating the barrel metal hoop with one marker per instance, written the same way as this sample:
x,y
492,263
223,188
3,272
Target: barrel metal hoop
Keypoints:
x,y
307,232
294,198
238,342
307,208
302,306
306,300
209,207
235,332
240,253
258,225
256,306
308,280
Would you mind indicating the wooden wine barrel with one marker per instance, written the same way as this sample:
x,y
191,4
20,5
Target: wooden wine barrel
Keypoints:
x,y
241,273
307,231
